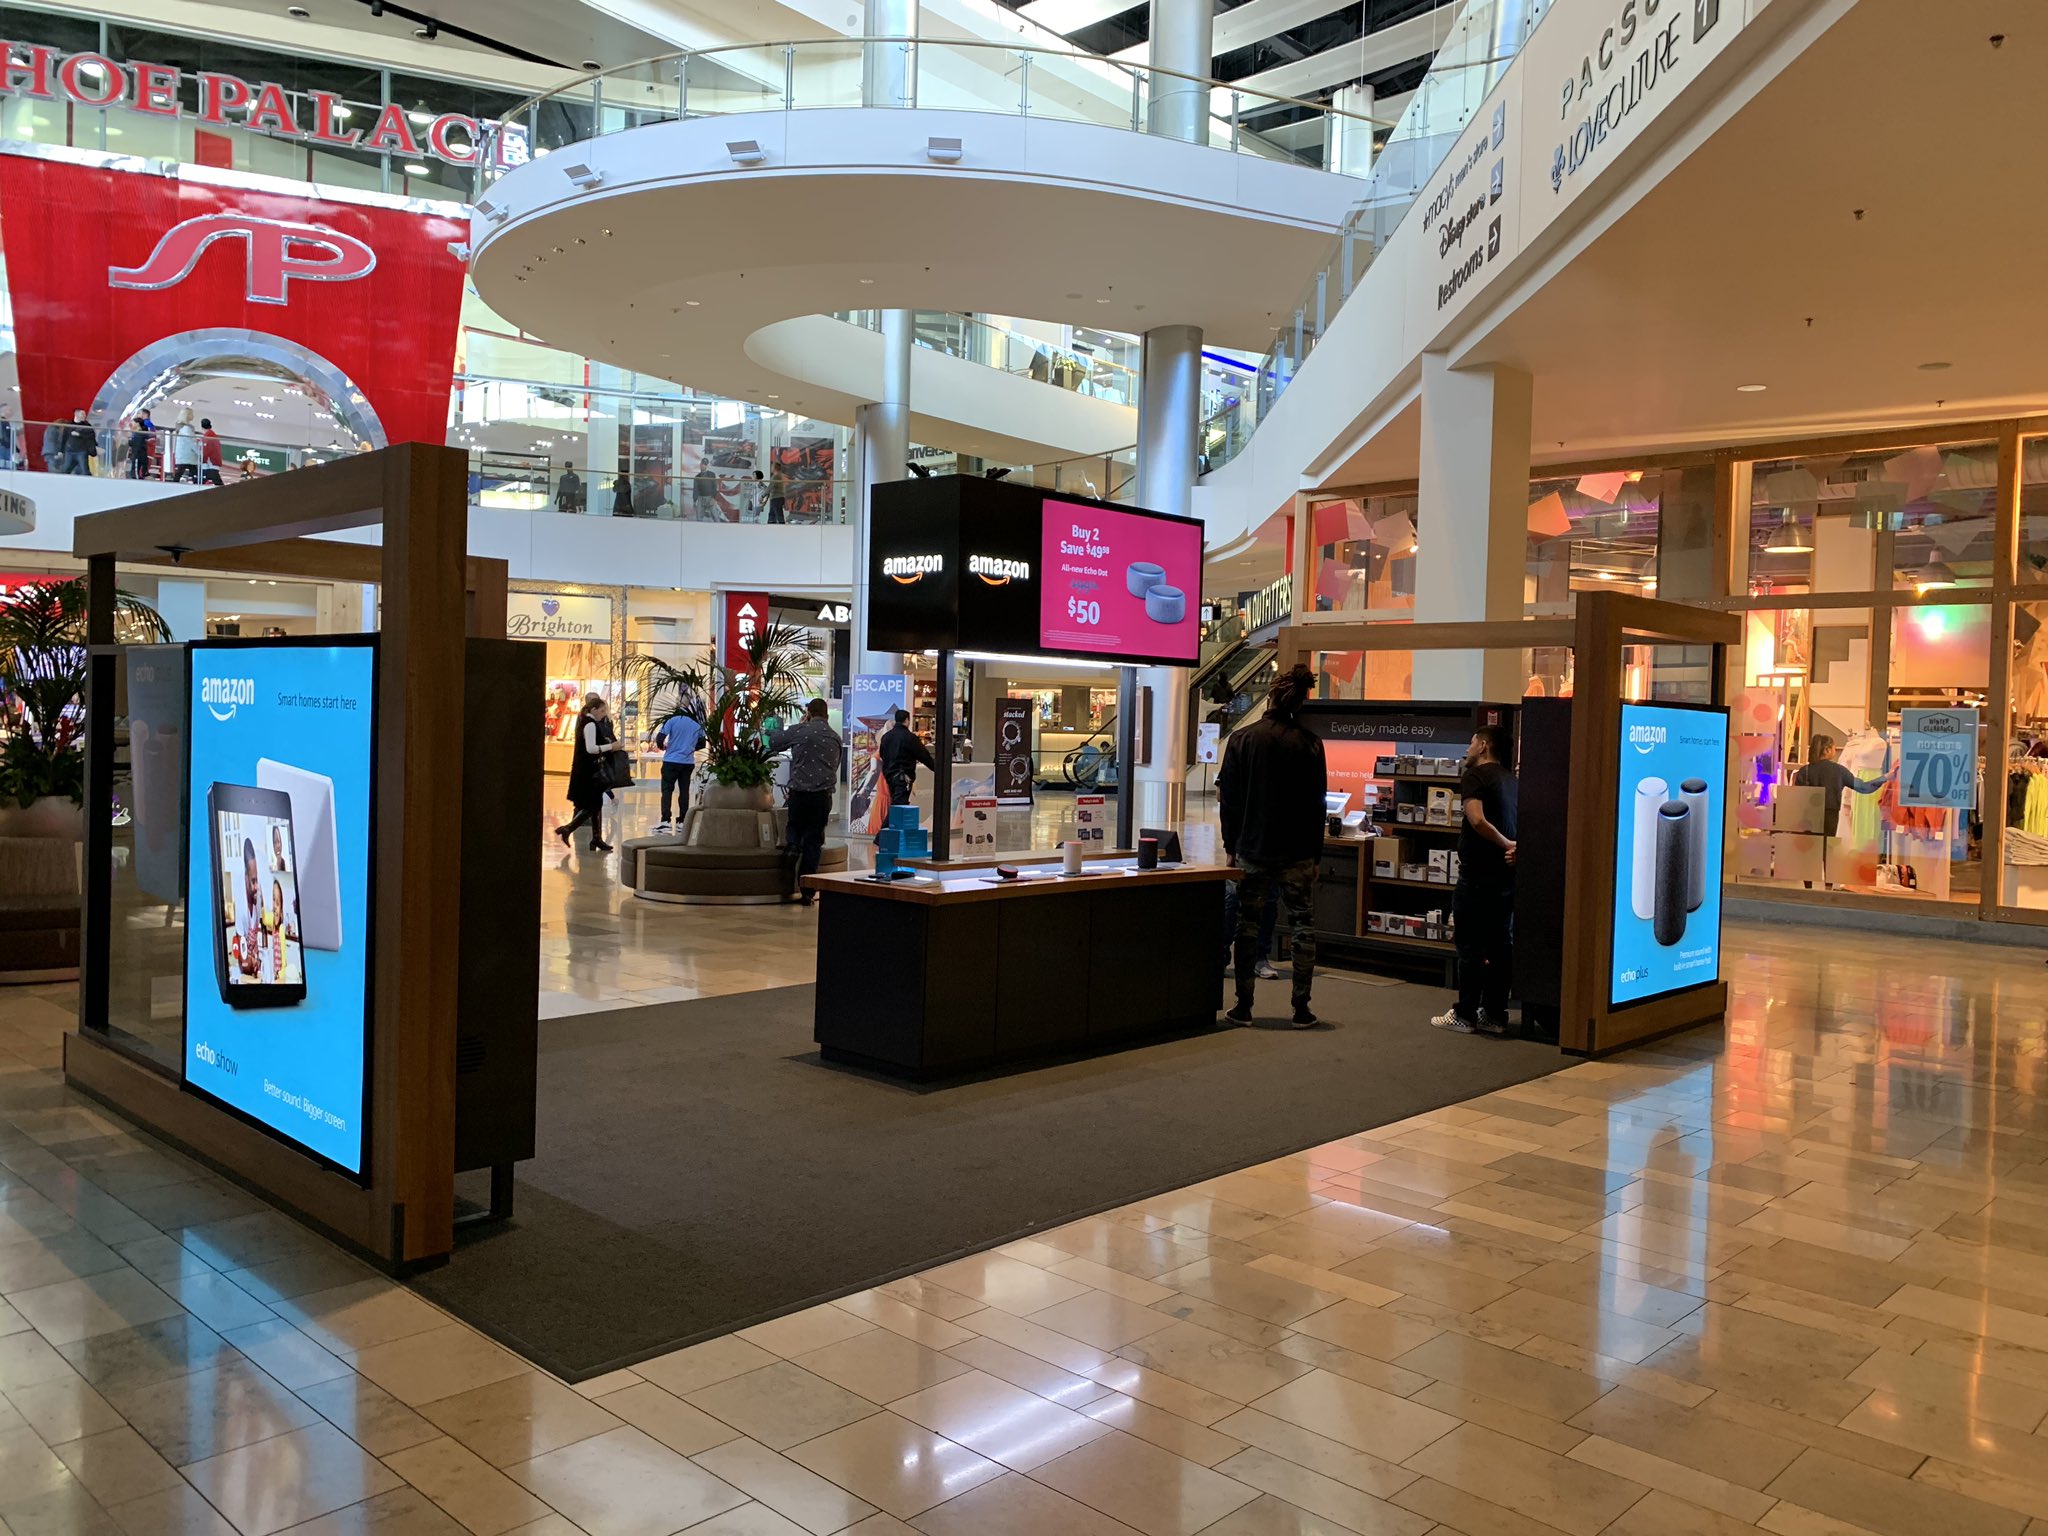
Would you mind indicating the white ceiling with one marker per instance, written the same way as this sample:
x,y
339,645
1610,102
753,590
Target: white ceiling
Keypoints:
x,y
1749,264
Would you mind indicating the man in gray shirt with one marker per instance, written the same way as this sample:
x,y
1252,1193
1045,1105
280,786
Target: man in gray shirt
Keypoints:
x,y
814,756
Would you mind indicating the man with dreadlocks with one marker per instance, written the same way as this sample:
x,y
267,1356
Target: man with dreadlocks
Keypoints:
x,y
1269,792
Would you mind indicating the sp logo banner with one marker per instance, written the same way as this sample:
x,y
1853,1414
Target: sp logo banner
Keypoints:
x,y
274,253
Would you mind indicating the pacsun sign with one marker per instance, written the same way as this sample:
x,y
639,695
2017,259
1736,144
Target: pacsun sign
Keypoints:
x,y
228,101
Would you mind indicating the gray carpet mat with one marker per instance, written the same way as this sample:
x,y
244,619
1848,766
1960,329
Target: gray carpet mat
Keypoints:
x,y
700,1169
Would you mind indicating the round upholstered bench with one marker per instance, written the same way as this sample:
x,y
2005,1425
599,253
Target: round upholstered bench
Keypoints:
x,y
666,869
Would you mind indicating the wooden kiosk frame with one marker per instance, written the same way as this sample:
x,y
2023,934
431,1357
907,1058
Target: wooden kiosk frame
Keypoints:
x,y
1604,624
403,1212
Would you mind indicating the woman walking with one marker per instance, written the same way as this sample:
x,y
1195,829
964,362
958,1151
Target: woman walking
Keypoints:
x,y
595,740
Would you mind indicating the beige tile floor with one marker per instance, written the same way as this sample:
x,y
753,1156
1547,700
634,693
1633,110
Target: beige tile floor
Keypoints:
x,y
1789,1278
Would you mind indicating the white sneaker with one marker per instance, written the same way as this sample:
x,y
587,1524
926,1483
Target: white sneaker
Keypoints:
x,y
662,829
1450,1020
1230,968
1266,972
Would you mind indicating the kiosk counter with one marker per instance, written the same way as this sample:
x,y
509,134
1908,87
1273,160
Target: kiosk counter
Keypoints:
x,y
959,969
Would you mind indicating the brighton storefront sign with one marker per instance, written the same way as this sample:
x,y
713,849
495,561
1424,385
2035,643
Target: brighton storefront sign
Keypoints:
x,y
558,616
261,106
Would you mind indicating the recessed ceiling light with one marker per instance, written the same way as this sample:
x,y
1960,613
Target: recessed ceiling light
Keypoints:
x,y
298,13
693,303
867,282
1933,367
592,64
1751,389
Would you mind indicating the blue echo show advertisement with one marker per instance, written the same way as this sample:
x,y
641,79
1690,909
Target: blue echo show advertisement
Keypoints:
x,y
1667,852
277,886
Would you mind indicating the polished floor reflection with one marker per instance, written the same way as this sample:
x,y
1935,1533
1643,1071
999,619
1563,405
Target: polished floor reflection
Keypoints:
x,y
1791,1277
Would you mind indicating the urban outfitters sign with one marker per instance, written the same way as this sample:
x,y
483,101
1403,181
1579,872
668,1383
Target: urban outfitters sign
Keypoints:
x,y
262,106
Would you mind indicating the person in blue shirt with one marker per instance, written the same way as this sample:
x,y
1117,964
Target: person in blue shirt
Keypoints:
x,y
679,739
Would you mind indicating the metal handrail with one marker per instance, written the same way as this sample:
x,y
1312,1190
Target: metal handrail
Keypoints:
x,y
1135,71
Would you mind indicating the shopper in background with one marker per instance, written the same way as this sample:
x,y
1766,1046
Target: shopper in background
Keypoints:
x,y
900,751
209,453
1269,792
814,751
679,737
595,738
78,446
778,498
704,493
1483,908
7,439
1823,772
185,448
141,445
569,490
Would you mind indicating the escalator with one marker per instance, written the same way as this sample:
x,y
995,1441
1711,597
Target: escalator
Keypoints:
x,y
1235,694
1091,767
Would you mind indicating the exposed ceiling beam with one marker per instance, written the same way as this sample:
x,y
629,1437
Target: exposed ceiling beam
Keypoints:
x,y
1257,20
1389,48
1067,17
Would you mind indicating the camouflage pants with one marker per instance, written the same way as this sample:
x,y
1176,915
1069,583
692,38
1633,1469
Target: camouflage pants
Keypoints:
x,y
1296,885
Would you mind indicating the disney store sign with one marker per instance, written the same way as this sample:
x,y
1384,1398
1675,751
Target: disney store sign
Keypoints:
x,y
260,106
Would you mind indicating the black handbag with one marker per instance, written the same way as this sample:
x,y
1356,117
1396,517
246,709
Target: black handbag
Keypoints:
x,y
615,771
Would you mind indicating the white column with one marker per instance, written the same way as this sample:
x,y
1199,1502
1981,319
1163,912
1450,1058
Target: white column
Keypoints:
x,y
1472,522
1349,150
888,77
1169,418
881,447
181,602
1183,33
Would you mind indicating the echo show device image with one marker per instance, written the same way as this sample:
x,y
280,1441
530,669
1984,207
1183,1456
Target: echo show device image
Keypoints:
x,y
319,866
258,953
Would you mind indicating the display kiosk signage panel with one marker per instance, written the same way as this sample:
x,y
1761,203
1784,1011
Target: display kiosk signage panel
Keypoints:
x,y
277,883
1667,863
959,563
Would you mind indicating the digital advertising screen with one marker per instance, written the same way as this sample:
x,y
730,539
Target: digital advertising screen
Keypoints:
x,y
277,958
1667,853
1122,585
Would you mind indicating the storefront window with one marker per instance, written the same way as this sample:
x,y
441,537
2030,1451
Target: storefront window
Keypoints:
x,y
1590,533
1365,556
2032,565
1912,520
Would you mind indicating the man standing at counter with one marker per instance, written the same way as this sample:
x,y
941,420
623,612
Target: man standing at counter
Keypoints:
x,y
1483,910
1269,792
813,748
900,750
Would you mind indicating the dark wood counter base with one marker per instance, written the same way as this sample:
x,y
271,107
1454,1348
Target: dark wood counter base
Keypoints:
x,y
925,989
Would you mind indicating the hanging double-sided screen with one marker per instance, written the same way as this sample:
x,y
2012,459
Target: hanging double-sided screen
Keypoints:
x,y
959,563
1673,787
277,885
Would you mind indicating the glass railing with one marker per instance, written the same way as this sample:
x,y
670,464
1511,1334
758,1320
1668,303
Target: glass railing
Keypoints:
x,y
1481,44
1014,79
1068,366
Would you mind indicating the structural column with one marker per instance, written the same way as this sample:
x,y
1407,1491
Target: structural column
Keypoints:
x,y
881,449
1472,522
1349,151
1169,437
889,69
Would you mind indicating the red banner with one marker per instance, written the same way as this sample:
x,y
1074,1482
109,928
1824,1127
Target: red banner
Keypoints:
x,y
107,269
746,616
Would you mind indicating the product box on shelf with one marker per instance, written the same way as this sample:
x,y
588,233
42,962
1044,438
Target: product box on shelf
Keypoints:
x,y
1407,811
1418,871
1440,865
1439,805
1454,866
1386,857
1383,766
1375,922
1407,763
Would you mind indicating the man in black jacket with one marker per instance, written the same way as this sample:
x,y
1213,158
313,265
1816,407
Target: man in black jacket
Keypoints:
x,y
1269,792
900,751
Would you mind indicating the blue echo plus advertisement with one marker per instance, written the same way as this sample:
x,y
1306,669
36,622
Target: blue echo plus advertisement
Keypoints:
x,y
1667,860
277,933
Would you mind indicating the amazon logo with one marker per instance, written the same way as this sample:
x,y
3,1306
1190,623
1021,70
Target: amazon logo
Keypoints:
x,y
998,572
909,570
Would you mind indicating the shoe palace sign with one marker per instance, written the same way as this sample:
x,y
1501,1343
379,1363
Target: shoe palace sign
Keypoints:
x,y
228,101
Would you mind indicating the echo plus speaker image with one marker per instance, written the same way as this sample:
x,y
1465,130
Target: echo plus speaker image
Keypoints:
x,y
1674,871
1642,885
1694,793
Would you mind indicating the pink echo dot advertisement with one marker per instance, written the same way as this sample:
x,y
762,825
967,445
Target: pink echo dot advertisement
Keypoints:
x,y
1120,584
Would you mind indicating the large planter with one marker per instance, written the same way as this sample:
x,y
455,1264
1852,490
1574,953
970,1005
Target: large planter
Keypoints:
x,y
737,797
51,816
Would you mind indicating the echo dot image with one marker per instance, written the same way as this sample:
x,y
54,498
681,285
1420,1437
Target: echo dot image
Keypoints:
x,y
1143,576
1166,605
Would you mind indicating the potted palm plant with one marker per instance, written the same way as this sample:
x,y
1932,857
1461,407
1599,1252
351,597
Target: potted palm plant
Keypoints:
x,y
732,704
43,663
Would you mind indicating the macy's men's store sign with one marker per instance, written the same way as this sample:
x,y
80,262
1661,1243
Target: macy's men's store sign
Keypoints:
x,y
228,101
